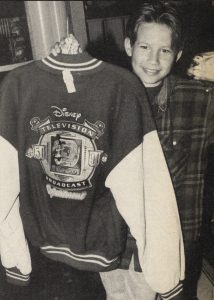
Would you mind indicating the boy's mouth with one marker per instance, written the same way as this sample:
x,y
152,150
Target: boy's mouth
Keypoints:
x,y
151,71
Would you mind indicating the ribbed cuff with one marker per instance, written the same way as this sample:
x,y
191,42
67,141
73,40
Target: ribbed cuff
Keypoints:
x,y
174,294
14,276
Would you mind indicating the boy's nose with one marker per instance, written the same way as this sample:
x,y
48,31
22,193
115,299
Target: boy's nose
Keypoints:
x,y
154,57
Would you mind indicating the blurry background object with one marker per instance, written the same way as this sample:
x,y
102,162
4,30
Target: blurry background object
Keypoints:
x,y
47,23
202,66
5,56
14,35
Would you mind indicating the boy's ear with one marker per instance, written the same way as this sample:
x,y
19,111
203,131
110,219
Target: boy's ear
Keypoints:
x,y
128,47
179,55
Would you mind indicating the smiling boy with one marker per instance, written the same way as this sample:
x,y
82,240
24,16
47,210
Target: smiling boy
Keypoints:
x,y
184,114
153,54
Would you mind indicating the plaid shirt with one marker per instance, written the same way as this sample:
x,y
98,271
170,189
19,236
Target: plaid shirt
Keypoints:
x,y
184,114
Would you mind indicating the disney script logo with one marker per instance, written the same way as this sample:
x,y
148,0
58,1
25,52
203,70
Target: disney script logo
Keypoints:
x,y
58,112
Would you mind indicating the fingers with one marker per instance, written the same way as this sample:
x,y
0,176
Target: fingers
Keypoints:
x,y
195,71
56,49
191,71
195,67
198,74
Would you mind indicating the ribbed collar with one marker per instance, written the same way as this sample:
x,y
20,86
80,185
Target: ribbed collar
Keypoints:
x,y
81,63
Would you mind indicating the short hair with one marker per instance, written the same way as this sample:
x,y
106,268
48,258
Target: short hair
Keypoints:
x,y
160,13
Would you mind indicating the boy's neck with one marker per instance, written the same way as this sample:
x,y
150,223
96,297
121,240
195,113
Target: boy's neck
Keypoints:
x,y
153,84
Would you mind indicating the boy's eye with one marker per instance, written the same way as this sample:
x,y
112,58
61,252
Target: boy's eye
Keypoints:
x,y
166,50
145,47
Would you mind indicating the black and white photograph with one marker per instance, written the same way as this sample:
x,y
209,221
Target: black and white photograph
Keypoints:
x,y
107,150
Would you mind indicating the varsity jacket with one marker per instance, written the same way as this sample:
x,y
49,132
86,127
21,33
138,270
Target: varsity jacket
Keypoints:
x,y
90,163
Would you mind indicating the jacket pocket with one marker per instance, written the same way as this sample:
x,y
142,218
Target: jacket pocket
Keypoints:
x,y
177,152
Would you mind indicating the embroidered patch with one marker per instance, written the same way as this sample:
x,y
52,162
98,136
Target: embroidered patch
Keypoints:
x,y
68,155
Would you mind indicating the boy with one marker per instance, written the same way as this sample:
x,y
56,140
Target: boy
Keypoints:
x,y
183,111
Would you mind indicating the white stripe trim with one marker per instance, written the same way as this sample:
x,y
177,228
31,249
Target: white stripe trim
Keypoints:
x,y
78,259
72,69
7,68
71,65
18,278
51,248
8,272
179,287
173,295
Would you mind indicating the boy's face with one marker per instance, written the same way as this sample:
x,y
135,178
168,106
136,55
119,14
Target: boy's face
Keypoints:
x,y
152,54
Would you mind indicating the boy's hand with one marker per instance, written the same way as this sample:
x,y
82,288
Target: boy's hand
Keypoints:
x,y
202,67
68,45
